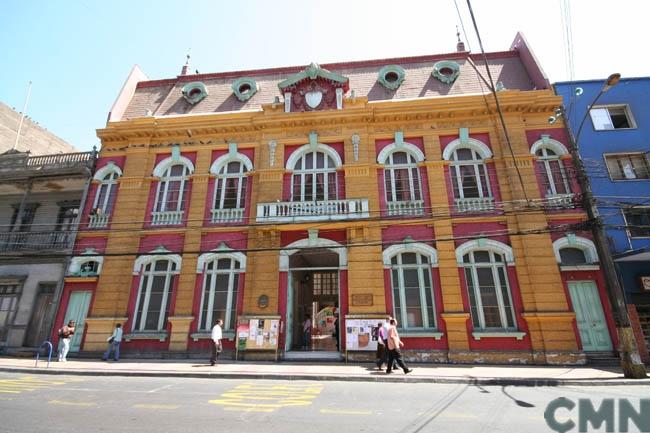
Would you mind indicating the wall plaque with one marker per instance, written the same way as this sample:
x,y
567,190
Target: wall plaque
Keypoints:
x,y
362,300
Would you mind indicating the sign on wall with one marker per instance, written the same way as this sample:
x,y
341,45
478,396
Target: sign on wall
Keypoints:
x,y
361,333
258,333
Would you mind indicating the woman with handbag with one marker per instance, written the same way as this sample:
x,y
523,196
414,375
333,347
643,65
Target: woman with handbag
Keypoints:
x,y
114,344
217,335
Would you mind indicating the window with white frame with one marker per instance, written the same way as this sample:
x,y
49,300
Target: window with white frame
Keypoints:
x,y
469,174
9,296
402,178
489,293
219,297
628,166
230,190
170,196
104,198
571,256
413,304
554,175
638,221
611,117
314,178
154,295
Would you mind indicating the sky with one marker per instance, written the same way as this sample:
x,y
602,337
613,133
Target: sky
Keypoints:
x,y
78,53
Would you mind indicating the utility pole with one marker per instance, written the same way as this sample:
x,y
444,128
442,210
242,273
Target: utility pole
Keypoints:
x,y
631,362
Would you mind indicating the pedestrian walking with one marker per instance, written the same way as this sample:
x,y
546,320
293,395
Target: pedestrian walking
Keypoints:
x,y
381,353
65,333
306,332
217,335
114,344
394,352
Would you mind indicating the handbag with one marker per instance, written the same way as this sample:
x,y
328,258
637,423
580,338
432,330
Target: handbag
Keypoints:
x,y
110,340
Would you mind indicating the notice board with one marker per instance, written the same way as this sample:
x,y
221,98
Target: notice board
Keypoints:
x,y
361,332
258,333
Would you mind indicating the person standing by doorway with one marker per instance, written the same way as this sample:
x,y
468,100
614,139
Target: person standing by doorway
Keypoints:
x,y
394,352
217,335
306,333
114,344
65,333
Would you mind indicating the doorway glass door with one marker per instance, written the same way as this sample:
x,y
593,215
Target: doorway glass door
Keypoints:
x,y
590,317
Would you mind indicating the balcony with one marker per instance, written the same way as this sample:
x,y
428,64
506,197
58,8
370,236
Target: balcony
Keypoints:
x,y
405,208
167,218
560,201
98,221
296,211
477,204
22,165
34,241
227,215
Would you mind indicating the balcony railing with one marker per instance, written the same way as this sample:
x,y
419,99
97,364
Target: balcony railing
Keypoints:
x,y
60,160
22,241
478,204
98,221
330,210
62,163
227,215
167,218
559,201
405,208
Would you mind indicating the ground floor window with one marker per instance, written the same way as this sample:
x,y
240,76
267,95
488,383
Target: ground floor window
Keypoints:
x,y
413,305
9,295
154,296
219,296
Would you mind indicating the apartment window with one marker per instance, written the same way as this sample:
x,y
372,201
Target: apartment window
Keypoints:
x,y
219,300
230,192
105,193
27,217
9,295
469,174
67,216
172,189
628,166
553,172
488,289
314,178
402,178
638,221
573,256
154,295
412,291
613,117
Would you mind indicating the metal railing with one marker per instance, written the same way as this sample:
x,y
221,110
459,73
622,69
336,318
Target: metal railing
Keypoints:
x,y
227,215
413,207
98,221
27,241
560,201
167,218
60,160
313,210
478,204
49,353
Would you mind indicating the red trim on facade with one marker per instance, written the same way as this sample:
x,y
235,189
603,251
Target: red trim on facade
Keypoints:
x,y
173,242
68,288
99,244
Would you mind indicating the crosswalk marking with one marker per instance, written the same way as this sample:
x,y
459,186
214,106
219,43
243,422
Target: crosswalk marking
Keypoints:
x,y
72,403
251,397
25,384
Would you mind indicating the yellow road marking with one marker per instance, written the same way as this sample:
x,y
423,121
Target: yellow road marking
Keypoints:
x,y
72,403
266,398
7,398
9,392
347,412
27,383
156,406
247,409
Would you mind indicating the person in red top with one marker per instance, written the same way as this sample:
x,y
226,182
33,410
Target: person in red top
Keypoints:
x,y
394,353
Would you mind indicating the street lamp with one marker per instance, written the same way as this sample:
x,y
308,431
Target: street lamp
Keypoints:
x,y
631,362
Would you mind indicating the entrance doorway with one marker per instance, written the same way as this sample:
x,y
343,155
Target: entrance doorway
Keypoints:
x,y
589,316
313,298
77,311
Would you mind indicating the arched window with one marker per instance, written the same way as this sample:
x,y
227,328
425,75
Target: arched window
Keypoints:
x,y
554,175
402,178
171,193
104,197
219,294
230,191
314,177
488,289
412,287
154,294
469,174
573,256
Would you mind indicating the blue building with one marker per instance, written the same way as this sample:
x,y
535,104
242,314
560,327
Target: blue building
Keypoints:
x,y
614,144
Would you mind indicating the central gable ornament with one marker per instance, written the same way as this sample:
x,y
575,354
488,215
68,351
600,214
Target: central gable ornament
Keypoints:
x,y
313,88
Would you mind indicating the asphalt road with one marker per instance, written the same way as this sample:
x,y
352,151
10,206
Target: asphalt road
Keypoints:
x,y
70,404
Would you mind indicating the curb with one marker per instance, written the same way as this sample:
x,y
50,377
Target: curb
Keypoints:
x,y
502,381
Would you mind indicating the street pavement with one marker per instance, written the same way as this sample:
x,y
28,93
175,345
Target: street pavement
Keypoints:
x,y
31,403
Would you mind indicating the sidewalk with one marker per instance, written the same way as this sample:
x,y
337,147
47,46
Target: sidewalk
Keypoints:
x,y
427,373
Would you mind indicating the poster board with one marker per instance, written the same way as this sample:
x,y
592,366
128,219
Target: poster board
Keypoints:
x,y
361,333
257,333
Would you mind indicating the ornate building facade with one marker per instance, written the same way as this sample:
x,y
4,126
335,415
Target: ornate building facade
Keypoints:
x,y
365,189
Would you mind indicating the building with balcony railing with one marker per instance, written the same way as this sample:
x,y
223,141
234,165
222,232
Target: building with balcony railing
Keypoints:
x,y
345,192
40,199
